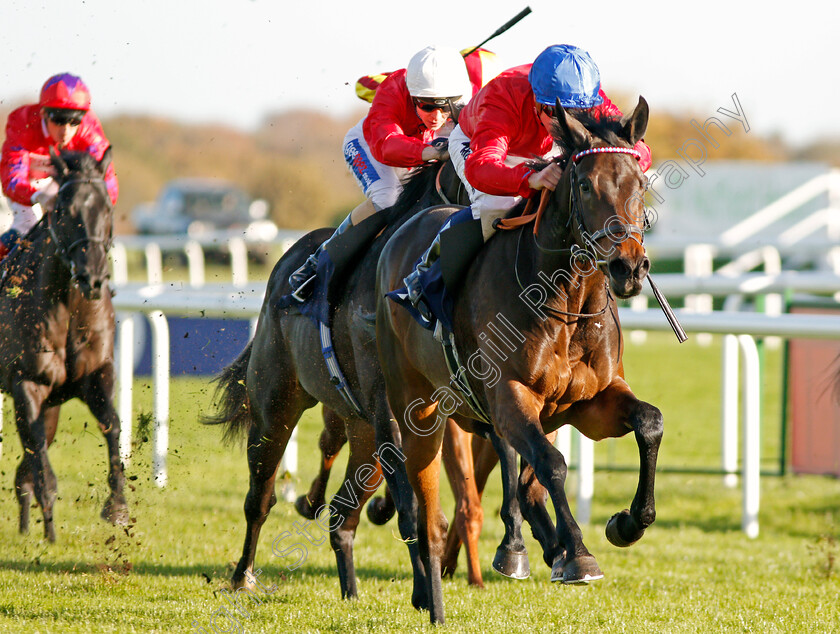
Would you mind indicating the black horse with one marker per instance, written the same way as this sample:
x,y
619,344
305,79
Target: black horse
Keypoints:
x,y
57,331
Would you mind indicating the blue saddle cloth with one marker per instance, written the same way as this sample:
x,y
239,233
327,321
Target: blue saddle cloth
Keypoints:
x,y
317,305
435,294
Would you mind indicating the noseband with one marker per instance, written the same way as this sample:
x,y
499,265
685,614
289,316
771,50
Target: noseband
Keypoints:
x,y
614,230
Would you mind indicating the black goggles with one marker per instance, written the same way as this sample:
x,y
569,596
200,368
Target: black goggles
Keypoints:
x,y
62,116
432,104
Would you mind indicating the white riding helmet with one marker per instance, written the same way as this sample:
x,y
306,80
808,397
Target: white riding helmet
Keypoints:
x,y
438,72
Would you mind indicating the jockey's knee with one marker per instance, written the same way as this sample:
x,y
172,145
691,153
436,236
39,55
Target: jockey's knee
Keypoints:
x,y
384,197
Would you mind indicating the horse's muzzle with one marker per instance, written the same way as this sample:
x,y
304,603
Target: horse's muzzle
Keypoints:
x,y
92,289
626,275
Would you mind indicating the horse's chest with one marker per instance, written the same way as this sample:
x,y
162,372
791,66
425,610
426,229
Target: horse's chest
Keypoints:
x,y
64,350
580,377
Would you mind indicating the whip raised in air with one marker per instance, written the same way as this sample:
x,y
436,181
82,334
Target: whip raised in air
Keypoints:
x,y
500,30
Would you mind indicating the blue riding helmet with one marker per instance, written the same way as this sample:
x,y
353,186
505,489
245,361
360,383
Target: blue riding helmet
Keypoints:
x,y
567,73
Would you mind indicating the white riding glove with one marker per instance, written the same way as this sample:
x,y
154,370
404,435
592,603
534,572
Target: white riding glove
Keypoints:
x,y
46,196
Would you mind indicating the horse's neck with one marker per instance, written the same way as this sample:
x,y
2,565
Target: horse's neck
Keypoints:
x,y
43,271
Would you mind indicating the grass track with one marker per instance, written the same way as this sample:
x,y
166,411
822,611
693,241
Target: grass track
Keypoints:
x,y
693,572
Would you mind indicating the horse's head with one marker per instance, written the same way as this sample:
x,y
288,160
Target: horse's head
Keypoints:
x,y
605,189
81,223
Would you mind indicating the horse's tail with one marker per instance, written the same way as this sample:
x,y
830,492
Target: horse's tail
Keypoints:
x,y
231,398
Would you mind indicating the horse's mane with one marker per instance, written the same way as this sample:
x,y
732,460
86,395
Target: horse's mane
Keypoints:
x,y
416,185
79,162
606,129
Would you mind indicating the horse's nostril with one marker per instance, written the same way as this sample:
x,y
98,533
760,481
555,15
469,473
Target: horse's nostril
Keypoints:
x,y
619,268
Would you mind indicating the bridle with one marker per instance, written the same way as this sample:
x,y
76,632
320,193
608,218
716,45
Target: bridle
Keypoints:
x,y
584,249
65,251
618,231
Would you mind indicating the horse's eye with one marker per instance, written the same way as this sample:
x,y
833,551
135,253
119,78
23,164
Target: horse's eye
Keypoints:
x,y
585,187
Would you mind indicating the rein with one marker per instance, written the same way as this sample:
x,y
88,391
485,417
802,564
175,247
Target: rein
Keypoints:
x,y
587,251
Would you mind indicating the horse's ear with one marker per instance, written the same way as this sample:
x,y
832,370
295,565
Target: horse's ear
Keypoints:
x,y
105,161
633,126
59,163
572,132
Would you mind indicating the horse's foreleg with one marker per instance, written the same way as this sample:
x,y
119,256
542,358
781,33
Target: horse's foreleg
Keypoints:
x,y
423,468
332,439
532,498
615,412
30,419
469,516
362,478
389,452
628,526
24,479
518,422
99,398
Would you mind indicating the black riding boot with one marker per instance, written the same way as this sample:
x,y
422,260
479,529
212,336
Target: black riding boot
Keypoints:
x,y
461,239
412,280
300,279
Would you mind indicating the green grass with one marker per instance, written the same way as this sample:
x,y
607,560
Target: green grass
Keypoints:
x,y
694,571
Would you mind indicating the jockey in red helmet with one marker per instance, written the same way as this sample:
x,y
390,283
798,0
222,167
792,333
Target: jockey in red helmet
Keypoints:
x,y
62,119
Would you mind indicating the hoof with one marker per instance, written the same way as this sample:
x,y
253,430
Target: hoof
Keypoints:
x,y
305,507
448,567
580,570
243,583
557,567
115,512
419,600
614,532
511,565
379,511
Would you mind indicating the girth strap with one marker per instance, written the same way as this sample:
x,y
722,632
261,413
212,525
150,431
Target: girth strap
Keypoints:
x,y
336,375
456,372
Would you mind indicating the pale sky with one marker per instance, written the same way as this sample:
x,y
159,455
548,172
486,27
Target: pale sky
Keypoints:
x,y
235,61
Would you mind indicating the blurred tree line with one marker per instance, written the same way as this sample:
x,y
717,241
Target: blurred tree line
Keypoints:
x,y
295,162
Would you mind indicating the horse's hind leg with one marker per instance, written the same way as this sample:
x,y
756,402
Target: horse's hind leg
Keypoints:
x,y
266,445
361,479
469,516
381,509
24,480
99,398
532,498
332,439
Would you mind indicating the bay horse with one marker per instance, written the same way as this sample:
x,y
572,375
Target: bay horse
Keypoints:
x,y
57,331
537,307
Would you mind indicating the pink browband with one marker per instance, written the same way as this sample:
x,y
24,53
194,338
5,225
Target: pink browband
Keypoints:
x,y
609,149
